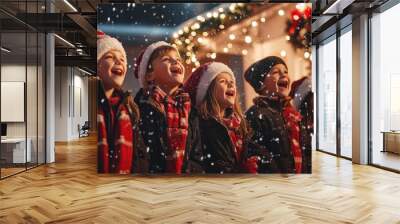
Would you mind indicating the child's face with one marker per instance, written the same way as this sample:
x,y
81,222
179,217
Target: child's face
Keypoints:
x,y
168,70
277,82
112,69
225,90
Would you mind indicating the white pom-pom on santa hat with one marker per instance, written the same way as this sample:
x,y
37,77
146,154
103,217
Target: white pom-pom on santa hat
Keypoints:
x,y
105,43
198,83
142,61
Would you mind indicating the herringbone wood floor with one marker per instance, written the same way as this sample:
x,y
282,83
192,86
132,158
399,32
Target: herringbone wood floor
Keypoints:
x,y
70,191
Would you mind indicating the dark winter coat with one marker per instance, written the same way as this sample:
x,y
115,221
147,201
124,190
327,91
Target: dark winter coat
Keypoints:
x,y
138,162
218,148
153,127
270,133
306,129
305,106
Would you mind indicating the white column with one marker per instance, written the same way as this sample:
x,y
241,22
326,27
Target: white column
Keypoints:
x,y
50,92
360,90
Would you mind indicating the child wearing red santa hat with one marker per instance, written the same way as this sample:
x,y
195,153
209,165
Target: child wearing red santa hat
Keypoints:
x,y
117,114
167,124
223,129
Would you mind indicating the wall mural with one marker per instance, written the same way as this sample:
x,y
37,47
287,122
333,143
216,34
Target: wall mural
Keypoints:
x,y
199,88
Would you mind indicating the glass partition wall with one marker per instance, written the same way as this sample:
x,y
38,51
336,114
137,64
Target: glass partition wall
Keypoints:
x,y
22,77
326,92
385,90
334,94
345,65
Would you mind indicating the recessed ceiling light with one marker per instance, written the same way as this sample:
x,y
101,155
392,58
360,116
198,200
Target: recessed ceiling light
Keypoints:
x,y
70,5
5,50
65,41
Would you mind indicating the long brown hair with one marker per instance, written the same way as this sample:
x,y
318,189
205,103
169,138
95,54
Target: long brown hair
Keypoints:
x,y
209,108
132,107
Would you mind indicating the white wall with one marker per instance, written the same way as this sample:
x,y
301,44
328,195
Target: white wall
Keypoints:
x,y
61,103
33,127
71,93
16,73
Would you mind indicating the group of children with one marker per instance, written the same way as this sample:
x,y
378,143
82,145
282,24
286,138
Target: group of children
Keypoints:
x,y
196,126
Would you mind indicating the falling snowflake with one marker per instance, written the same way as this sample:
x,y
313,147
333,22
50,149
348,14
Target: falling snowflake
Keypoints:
x,y
275,140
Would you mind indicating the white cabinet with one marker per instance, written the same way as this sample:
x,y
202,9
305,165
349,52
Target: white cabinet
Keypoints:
x,y
17,147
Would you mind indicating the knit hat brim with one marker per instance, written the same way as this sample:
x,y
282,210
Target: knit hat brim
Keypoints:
x,y
256,73
106,43
198,83
143,60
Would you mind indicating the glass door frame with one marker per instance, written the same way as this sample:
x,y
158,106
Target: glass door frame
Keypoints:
x,y
387,5
30,29
338,34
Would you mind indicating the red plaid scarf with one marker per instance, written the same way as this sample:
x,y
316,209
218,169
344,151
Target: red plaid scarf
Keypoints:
x,y
176,109
292,119
232,123
116,159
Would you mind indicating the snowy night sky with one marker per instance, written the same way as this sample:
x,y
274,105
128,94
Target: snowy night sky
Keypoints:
x,y
145,23
139,25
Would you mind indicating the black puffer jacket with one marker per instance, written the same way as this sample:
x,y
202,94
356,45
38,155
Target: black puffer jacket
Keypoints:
x,y
306,129
270,133
303,97
218,149
219,155
153,127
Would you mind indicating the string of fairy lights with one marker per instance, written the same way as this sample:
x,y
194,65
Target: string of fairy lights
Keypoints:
x,y
196,33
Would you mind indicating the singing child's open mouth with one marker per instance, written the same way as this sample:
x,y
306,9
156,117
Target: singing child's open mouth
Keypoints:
x,y
230,93
283,83
176,70
117,71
